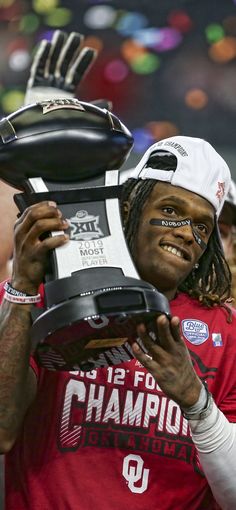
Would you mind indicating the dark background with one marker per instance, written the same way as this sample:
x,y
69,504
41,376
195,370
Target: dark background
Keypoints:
x,y
180,79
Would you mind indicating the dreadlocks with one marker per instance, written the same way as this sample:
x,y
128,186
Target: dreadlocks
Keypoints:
x,y
211,282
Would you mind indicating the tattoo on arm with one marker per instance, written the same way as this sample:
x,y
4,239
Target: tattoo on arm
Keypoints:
x,y
15,323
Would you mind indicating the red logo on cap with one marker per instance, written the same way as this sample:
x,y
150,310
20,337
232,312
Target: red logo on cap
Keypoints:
x,y
221,191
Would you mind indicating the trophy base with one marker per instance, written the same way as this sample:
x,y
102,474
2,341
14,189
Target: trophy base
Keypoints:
x,y
93,330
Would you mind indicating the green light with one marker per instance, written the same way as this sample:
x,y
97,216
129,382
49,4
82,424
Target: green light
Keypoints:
x,y
214,33
59,17
146,63
12,100
29,23
44,6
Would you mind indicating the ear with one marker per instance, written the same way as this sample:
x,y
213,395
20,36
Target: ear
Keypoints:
x,y
126,211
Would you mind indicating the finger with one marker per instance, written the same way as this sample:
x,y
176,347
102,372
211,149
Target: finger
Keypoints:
x,y
57,44
145,358
35,212
50,243
80,66
175,329
40,208
68,53
149,344
43,227
38,66
164,333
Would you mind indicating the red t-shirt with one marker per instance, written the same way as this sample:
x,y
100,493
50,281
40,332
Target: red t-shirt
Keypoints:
x,y
111,439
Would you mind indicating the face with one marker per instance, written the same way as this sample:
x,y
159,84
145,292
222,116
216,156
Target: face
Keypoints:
x,y
165,256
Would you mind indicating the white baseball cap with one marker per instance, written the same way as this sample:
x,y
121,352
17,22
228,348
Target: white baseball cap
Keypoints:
x,y
199,168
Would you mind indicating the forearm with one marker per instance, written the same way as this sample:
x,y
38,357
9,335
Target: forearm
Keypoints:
x,y
15,322
215,439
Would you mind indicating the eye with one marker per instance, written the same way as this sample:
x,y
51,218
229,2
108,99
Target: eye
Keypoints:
x,y
202,228
168,210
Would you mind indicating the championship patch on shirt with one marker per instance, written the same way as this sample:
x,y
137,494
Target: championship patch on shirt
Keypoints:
x,y
195,331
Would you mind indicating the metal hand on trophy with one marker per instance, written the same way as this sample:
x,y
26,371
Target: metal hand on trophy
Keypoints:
x,y
58,68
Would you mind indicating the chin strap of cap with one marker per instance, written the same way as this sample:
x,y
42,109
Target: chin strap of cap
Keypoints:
x,y
177,224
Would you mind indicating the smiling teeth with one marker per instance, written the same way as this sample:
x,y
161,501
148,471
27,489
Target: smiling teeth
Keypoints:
x,y
173,250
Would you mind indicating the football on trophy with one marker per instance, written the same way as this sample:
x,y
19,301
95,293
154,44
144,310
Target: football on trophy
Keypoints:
x,y
62,140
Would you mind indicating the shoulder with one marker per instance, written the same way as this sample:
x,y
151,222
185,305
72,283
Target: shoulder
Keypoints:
x,y
185,307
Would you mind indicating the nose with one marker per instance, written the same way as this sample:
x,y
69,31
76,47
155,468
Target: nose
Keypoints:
x,y
184,232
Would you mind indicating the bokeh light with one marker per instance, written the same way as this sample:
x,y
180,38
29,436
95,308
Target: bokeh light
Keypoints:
x,y
149,37
100,16
224,50
46,34
44,6
94,42
145,64
196,99
20,43
131,49
19,60
12,100
159,39
142,139
161,129
180,20
116,71
214,32
29,23
129,22
59,17
170,39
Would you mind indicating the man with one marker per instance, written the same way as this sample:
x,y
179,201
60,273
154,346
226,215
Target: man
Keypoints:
x,y
117,436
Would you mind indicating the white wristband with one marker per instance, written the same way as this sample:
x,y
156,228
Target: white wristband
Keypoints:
x,y
22,300
16,296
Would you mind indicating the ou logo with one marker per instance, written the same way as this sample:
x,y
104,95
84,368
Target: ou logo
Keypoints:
x,y
135,474
99,323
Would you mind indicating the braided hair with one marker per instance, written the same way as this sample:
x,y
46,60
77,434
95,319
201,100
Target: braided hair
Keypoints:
x,y
211,282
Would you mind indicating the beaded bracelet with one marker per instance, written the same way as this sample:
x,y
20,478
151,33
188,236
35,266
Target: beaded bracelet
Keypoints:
x,y
16,296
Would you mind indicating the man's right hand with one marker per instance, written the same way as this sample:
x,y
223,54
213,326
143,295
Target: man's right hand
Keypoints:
x,y
32,244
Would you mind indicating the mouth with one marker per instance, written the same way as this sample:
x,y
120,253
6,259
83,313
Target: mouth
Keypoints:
x,y
176,250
